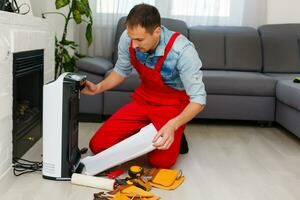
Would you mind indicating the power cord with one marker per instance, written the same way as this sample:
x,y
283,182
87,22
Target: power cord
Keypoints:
x,y
23,166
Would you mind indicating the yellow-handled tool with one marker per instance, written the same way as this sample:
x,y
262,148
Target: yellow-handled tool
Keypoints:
x,y
136,178
135,171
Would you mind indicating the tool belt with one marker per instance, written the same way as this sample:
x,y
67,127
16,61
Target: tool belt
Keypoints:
x,y
139,183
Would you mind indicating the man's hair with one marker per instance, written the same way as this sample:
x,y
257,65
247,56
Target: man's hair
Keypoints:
x,y
145,15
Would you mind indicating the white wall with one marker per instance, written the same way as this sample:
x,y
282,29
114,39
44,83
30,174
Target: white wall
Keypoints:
x,y
57,22
283,11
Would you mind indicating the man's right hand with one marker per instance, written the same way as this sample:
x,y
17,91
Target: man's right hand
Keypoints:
x,y
90,88
111,81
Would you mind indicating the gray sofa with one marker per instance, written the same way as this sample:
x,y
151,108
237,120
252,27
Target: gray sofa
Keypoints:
x,y
246,73
281,61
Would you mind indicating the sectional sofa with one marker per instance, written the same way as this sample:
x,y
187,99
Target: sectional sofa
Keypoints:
x,y
248,73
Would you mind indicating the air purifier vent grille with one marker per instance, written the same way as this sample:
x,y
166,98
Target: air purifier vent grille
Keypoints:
x,y
49,168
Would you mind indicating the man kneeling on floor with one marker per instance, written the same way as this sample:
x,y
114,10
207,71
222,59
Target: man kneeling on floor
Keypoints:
x,y
171,91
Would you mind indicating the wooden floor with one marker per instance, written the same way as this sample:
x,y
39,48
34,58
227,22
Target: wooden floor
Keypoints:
x,y
227,161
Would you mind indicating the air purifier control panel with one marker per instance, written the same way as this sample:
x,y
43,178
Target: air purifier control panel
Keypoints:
x,y
78,78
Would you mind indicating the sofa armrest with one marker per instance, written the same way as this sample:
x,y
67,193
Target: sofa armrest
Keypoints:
x,y
95,65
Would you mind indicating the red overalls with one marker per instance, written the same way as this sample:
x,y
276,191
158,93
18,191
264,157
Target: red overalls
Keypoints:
x,y
153,102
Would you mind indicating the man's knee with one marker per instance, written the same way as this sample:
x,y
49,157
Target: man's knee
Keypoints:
x,y
100,141
96,146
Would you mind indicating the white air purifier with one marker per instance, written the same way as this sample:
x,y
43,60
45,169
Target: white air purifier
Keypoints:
x,y
61,155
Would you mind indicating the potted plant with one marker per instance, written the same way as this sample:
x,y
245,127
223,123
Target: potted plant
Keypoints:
x,y
79,11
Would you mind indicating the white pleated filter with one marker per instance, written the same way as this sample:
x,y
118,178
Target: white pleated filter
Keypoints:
x,y
128,149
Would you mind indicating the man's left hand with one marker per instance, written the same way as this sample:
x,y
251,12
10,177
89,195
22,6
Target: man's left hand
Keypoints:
x,y
167,136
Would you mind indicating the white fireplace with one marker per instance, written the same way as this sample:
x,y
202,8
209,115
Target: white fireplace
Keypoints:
x,y
19,33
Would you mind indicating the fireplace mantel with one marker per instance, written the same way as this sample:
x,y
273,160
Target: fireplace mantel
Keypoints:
x,y
19,33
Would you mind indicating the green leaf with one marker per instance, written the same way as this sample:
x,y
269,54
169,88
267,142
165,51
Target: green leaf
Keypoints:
x,y
88,11
68,42
66,56
85,2
74,48
91,19
77,16
74,45
61,3
70,66
88,34
78,5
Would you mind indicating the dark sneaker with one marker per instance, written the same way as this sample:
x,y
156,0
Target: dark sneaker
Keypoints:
x,y
184,148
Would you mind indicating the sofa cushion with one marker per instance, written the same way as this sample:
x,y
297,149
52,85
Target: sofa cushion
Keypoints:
x,y
96,65
209,43
288,93
243,49
172,24
238,83
281,48
227,48
282,76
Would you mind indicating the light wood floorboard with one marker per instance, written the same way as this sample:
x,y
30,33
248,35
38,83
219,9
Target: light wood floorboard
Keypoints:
x,y
227,161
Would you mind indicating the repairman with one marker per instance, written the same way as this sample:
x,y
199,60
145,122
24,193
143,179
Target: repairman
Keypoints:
x,y
171,92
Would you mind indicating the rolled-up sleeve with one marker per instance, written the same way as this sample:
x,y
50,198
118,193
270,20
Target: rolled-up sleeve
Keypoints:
x,y
189,67
123,65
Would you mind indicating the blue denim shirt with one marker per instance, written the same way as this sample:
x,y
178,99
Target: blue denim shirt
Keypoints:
x,y
180,70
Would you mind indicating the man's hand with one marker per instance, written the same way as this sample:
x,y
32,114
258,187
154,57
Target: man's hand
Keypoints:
x,y
111,81
90,88
167,136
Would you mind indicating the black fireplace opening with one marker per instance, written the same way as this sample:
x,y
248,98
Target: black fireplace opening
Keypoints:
x,y
28,79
